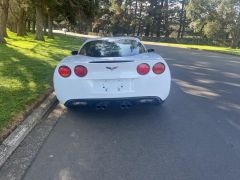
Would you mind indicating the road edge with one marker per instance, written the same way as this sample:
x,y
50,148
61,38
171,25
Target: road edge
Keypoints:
x,y
17,136
144,42
193,48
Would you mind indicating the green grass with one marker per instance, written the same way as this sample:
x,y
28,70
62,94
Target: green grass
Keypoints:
x,y
26,70
225,50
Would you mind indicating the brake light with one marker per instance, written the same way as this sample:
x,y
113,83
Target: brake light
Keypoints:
x,y
158,68
80,71
64,71
143,69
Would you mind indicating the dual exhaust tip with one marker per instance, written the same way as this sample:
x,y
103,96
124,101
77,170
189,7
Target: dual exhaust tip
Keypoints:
x,y
101,107
126,105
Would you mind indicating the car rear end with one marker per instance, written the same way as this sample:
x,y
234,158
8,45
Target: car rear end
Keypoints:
x,y
80,80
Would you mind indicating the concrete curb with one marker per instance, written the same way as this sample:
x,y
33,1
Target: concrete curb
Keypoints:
x,y
16,137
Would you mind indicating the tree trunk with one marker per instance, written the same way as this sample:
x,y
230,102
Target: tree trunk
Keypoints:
x,y
135,18
5,16
147,30
2,40
180,29
235,38
158,29
159,20
28,25
234,43
45,23
153,28
140,20
39,22
236,34
12,26
183,24
34,25
50,25
166,16
129,19
3,20
21,24
33,19
148,23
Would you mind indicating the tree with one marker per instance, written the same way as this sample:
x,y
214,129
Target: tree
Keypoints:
x,y
31,18
158,16
235,32
39,20
216,19
229,13
4,5
21,17
149,19
182,19
166,18
51,11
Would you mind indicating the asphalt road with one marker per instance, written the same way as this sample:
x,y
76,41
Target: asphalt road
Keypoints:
x,y
194,135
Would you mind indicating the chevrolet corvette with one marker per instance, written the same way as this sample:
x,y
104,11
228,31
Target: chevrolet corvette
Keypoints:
x,y
112,70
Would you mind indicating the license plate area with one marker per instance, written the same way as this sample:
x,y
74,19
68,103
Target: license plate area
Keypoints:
x,y
112,86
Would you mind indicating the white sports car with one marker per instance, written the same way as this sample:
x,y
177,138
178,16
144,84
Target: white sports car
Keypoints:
x,y
112,70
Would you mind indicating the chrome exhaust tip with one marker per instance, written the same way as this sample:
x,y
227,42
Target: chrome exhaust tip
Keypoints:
x,y
126,105
123,106
98,107
101,106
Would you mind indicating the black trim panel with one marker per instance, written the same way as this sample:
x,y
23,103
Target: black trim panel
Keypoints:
x,y
132,100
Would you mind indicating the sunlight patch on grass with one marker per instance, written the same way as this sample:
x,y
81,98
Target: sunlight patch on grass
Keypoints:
x,y
26,70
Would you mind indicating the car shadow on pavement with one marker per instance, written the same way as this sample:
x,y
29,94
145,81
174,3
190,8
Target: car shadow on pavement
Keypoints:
x,y
115,114
115,110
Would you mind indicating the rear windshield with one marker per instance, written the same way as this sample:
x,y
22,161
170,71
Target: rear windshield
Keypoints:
x,y
112,48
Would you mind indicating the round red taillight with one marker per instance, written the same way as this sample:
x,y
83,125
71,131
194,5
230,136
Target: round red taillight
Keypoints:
x,y
80,71
143,69
158,68
64,71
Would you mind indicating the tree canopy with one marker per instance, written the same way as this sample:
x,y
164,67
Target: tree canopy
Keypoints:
x,y
217,20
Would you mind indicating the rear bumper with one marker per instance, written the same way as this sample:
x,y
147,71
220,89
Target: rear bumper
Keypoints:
x,y
116,101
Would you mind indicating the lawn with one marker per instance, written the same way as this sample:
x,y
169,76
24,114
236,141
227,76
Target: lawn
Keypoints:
x,y
26,70
225,50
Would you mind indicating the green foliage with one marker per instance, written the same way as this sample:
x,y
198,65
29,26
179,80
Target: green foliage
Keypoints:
x,y
216,19
26,70
211,29
79,14
139,17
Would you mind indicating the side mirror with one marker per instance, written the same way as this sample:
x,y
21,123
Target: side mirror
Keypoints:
x,y
150,50
74,53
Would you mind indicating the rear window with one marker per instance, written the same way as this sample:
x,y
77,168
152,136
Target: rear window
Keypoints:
x,y
112,48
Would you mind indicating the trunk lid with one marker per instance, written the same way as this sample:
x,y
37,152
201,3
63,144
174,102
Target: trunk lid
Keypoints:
x,y
111,67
